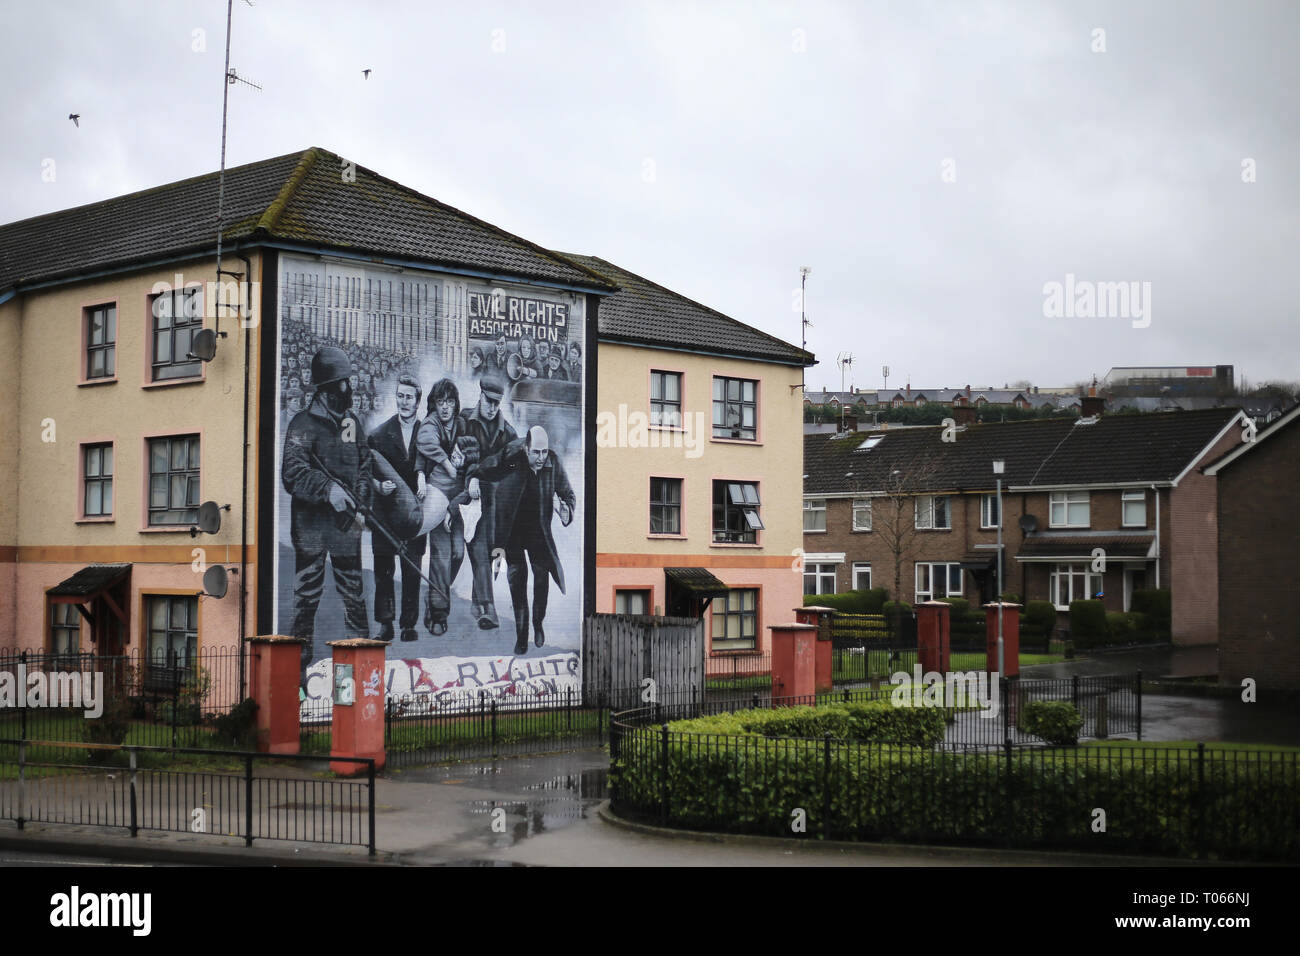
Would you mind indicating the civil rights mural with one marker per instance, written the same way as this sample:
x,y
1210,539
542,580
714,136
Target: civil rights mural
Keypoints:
x,y
429,475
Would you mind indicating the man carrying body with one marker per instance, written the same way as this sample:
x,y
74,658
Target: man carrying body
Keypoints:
x,y
395,440
488,424
326,471
529,479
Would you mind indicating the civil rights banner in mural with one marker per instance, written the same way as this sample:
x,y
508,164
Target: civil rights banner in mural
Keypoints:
x,y
429,478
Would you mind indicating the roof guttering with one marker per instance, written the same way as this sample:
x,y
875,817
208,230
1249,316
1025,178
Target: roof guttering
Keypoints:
x,y
1094,485
645,343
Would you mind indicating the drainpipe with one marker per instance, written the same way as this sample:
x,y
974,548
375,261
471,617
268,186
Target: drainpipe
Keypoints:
x,y
243,491
1156,492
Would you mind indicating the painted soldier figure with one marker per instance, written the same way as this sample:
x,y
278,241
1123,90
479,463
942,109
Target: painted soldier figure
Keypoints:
x,y
531,485
326,470
395,441
486,423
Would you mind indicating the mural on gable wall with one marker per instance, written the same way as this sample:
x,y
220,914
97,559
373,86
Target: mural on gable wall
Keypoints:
x,y
430,465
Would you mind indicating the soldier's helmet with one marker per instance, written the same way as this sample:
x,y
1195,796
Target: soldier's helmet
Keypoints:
x,y
330,364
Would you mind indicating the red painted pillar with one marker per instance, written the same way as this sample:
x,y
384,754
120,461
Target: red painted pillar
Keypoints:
x,y
794,657
273,684
1010,637
932,643
820,617
358,725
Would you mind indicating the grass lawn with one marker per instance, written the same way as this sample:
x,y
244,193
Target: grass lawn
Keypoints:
x,y
420,734
1184,745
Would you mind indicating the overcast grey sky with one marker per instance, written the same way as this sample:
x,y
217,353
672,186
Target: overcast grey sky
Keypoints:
x,y
936,164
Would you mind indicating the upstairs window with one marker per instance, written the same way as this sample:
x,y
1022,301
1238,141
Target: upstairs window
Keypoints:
x,y
735,408
735,512
666,399
101,342
665,506
177,315
1069,509
174,480
814,514
1134,508
990,515
932,512
861,514
97,478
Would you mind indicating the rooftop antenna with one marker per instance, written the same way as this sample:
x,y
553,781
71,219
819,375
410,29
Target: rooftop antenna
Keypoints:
x,y
845,361
804,273
884,370
230,79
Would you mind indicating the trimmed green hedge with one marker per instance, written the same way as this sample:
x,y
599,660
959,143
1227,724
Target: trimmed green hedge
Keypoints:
x,y
1088,623
877,721
851,602
1155,603
1055,721
1039,619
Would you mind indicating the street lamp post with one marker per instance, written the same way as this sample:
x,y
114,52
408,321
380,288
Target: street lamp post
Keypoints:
x,y
998,467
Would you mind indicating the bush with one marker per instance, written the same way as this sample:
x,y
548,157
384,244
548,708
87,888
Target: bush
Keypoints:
x,y
1039,618
872,721
238,727
850,602
1010,598
1121,627
960,607
1055,721
1155,603
1088,623
113,725
187,709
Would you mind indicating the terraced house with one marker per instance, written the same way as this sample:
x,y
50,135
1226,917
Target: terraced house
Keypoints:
x,y
1090,508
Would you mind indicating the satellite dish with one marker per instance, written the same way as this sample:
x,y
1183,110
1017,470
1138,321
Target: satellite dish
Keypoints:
x,y
215,581
1028,524
209,517
204,345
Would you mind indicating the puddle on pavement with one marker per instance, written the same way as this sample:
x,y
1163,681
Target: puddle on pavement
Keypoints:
x,y
560,802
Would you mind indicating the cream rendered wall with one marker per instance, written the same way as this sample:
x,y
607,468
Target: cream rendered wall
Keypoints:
x,y
49,536
627,556
10,403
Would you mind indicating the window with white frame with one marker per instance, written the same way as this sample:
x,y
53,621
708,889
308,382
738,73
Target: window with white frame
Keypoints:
x,y
814,514
1134,508
936,579
861,514
1073,582
1068,509
932,512
990,513
861,575
819,579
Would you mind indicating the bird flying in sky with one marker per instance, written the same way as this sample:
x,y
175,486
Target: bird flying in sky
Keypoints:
x,y
76,119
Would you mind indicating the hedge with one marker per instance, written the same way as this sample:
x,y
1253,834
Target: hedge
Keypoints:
x,y
877,721
1156,604
1039,618
1056,721
851,602
1156,802
1088,623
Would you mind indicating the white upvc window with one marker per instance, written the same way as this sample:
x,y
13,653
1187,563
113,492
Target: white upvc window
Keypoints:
x,y
937,580
819,579
1073,582
861,514
1069,509
932,512
990,513
861,575
814,514
1134,509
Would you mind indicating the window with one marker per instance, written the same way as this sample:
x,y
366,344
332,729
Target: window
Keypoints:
x,y
1069,509
1073,582
932,512
666,399
735,512
101,342
814,516
174,480
1134,508
735,621
937,580
819,579
65,630
177,315
665,506
990,515
861,576
861,514
173,631
631,602
735,408
97,478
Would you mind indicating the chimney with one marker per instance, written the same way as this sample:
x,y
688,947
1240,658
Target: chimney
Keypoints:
x,y
908,393
968,390
1092,404
963,415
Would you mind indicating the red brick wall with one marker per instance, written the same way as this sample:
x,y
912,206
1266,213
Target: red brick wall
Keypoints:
x,y
1193,550
1259,525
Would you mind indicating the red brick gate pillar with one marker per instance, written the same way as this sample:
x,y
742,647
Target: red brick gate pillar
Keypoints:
x,y
794,657
358,724
932,640
820,617
1010,637
273,684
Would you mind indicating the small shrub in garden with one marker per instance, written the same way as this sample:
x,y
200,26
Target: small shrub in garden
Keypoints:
x,y
1055,721
1088,623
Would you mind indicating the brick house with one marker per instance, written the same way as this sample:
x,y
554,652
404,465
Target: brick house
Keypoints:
x,y
1258,524
1102,505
